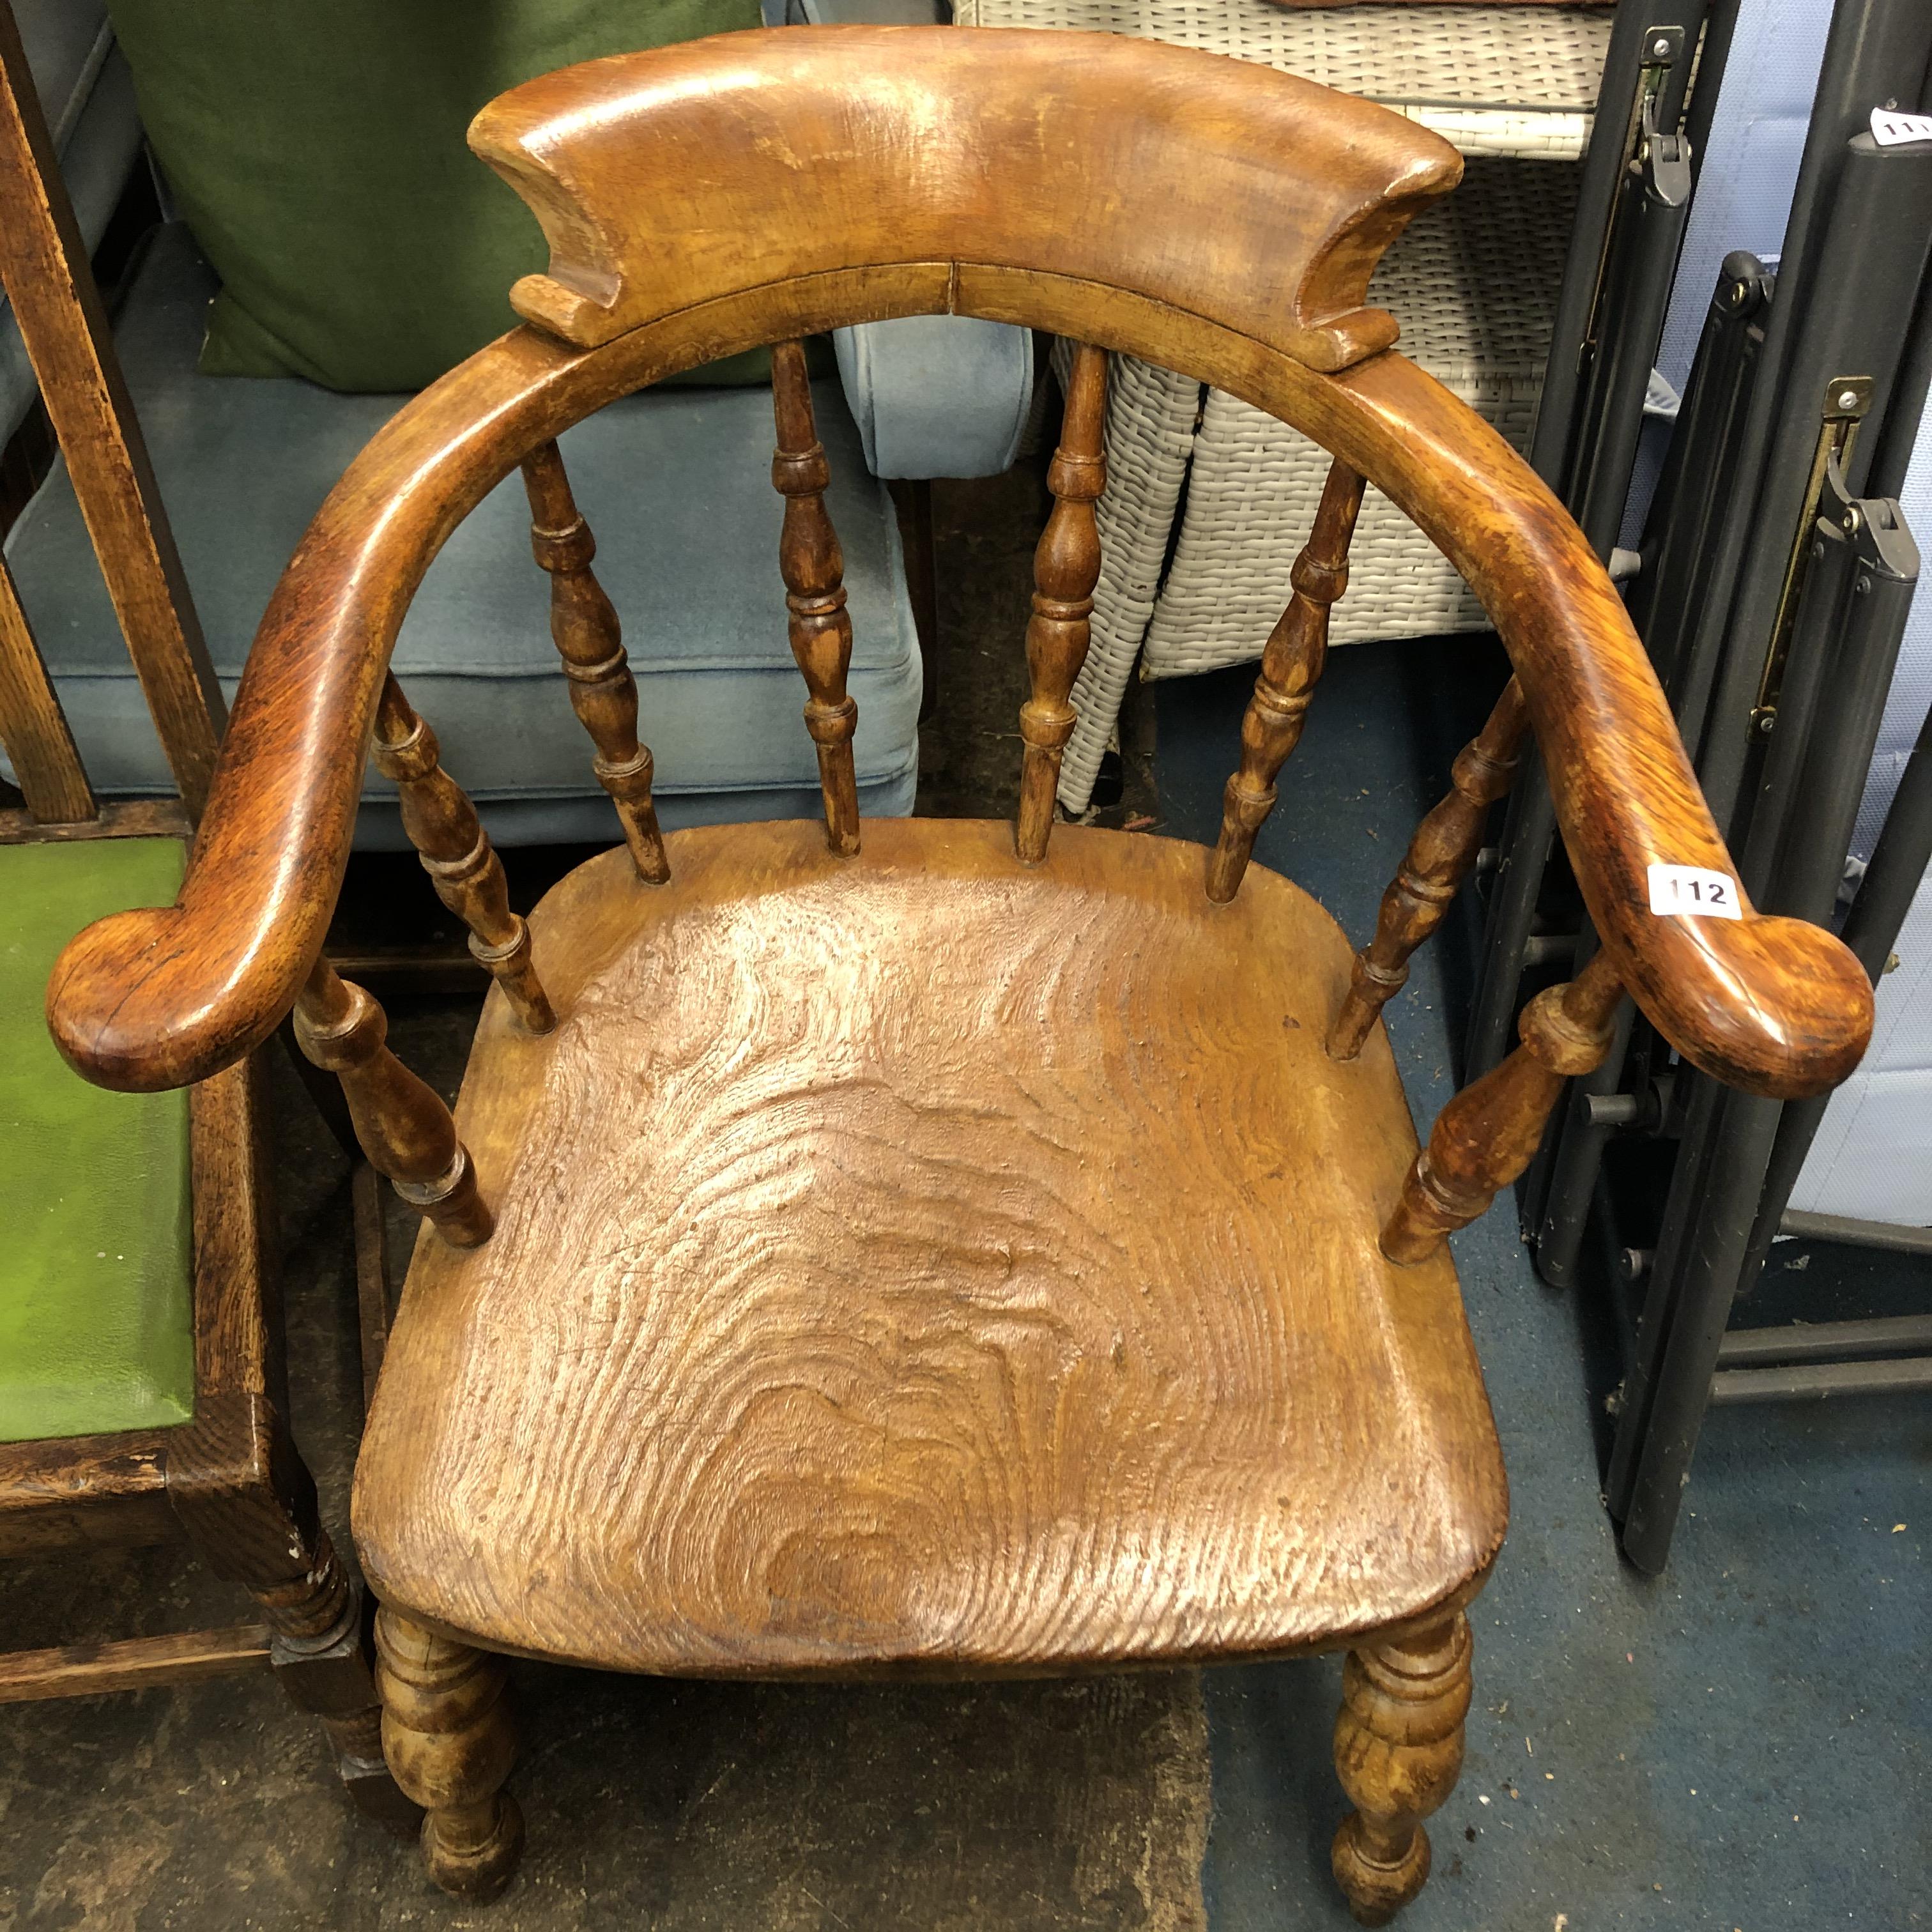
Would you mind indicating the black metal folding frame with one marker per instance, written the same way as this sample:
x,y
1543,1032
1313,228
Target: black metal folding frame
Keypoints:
x,y
1877,52
1845,637
1774,579
1633,201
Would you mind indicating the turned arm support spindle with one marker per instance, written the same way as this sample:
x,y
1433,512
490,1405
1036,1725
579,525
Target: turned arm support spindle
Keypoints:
x,y
1438,860
1066,567
1486,1136
813,570
405,1129
456,852
584,624
1296,649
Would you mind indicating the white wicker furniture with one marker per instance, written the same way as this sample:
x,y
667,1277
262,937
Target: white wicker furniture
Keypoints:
x,y
1474,283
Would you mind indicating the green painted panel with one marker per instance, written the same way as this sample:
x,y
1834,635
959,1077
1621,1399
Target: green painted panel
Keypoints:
x,y
96,1326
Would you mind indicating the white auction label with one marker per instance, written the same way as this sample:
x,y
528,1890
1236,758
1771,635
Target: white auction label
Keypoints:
x,y
1690,889
1893,130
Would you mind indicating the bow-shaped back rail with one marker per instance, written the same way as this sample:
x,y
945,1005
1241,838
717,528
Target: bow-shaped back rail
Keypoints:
x,y
1208,214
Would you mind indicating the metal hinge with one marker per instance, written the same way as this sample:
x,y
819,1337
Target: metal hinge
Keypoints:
x,y
1846,399
1657,158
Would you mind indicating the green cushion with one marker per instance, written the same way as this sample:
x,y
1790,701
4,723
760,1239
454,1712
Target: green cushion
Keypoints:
x,y
97,1322
317,152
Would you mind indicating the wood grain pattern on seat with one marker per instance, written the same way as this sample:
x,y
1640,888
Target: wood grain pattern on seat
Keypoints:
x,y
917,1260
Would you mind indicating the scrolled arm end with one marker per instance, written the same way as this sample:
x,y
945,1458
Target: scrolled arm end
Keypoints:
x,y
132,1006
1779,1007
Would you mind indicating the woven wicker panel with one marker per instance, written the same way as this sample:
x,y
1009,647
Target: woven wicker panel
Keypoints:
x,y
1152,416
1518,81
1474,282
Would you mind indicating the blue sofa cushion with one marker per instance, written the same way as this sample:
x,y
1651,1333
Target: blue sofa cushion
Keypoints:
x,y
675,483
933,395
938,395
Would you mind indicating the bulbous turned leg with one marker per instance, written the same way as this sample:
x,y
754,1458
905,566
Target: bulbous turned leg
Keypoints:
x,y
1398,1752
447,1736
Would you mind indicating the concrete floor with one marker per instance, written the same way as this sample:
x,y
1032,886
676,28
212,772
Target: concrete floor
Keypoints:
x,y
1741,1745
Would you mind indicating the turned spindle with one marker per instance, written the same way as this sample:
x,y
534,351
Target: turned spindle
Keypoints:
x,y
814,571
401,1122
1398,1753
1292,663
1486,1136
456,852
1066,567
584,624
1438,860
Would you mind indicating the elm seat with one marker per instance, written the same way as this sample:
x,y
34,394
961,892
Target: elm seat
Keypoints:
x,y
674,482
96,1325
813,1198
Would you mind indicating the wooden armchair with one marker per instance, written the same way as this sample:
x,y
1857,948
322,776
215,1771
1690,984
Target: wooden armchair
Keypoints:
x,y
938,1246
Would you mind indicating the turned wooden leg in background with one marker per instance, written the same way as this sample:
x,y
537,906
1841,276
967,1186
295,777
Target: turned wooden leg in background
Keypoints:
x,y
1398,1753
247,1502
329,1672
449,1740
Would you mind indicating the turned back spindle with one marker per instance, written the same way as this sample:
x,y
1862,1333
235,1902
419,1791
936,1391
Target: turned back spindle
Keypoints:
x,y
814,571
585,627
1438,860
1066,567
442,826
1292,662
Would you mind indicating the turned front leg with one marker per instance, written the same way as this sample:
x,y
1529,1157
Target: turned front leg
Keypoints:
x,y
405,1129
1487,1135
1398,1753
448,1735
1296,649
1066,567
1438,860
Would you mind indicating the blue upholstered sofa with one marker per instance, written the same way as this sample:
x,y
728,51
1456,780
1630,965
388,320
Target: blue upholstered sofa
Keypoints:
x,y
675,483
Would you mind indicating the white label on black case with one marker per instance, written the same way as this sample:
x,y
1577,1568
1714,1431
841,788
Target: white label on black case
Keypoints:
x,y
1690,889
1891,130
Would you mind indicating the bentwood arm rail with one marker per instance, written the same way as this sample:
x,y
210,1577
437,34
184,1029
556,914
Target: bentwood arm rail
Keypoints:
x,y
655,268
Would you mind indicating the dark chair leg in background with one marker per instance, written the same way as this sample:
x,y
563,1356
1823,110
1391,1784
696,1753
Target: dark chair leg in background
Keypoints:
x,y
323,1089
372,1272
247,1502
913,499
